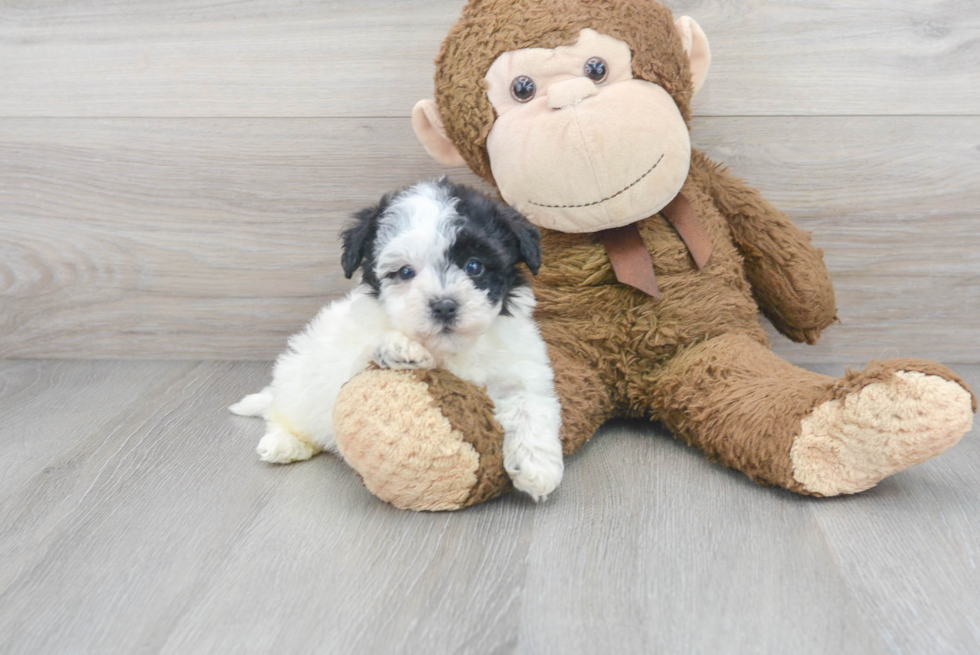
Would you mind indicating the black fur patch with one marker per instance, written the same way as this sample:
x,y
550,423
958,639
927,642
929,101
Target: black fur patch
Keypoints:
x,y
358,238
497,235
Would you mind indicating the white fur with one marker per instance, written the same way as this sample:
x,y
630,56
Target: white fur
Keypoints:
x,y
255,404
506,354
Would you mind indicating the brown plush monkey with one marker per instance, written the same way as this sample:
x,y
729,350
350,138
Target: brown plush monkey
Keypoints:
x,y
656,263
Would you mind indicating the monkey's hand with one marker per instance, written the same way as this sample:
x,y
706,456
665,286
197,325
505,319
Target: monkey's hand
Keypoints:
x,y
788,277
396,351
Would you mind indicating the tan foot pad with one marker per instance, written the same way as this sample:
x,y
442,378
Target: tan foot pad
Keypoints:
x,y
851,443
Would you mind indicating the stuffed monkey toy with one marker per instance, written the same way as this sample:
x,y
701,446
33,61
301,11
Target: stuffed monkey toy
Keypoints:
x,y
656,263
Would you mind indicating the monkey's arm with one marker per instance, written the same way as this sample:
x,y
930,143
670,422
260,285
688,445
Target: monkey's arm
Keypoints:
x,y
788,277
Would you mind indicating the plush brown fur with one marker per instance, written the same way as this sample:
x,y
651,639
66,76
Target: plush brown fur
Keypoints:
x,y
471,415
698,359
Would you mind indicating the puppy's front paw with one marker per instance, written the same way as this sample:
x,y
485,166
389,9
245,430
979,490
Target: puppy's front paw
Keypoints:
x,y
536,472
396,351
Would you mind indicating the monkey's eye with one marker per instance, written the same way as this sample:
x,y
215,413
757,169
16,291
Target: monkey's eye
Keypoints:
x,y
405,273
474,267
522,88
595,69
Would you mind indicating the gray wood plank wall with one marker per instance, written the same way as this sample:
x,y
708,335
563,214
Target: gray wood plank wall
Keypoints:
x,y
173,174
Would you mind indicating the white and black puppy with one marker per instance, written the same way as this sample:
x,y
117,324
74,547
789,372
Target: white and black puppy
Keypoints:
x,y
440,287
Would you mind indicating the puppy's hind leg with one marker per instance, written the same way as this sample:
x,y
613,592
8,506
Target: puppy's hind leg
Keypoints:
x,y
280,446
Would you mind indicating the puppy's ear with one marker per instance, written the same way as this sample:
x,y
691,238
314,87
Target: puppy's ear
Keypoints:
x,y
528,236
359,235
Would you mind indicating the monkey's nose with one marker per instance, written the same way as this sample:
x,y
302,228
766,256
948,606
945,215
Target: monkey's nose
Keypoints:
x,y
444,309
567,93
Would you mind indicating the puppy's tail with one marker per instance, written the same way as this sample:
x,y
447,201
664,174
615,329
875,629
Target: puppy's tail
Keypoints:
x,y
255,404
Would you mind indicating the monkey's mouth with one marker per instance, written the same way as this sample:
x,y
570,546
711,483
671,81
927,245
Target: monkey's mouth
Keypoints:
x,y
599,202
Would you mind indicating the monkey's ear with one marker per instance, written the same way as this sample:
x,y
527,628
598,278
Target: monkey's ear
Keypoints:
x,y
696,46
427,122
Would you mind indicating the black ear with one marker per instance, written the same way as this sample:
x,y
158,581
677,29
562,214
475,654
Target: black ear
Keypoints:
x,y
528,236
359,235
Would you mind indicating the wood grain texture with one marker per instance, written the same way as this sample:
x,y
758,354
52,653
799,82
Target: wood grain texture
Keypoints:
x,y
181,239
200,238
135,517
317,58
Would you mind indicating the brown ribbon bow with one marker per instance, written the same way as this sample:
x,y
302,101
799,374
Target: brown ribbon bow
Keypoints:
x,y
631,259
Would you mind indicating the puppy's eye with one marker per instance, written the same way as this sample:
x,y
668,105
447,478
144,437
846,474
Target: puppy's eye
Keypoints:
x,y
474,267
595,69
405,273
522,88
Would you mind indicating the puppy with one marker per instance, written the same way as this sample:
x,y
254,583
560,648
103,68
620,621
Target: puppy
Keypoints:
x,y
440,287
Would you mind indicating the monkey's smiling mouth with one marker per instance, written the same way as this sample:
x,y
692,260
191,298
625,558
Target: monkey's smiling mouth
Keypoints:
x,y
599,202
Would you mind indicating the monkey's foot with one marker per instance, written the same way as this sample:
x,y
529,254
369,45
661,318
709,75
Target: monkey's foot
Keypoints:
x,y
892,416
421,440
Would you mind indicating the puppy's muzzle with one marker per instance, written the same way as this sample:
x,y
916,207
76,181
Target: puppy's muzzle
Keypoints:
x,y
444,310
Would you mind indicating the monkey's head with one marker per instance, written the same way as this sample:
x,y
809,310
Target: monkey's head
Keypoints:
x,y
577,110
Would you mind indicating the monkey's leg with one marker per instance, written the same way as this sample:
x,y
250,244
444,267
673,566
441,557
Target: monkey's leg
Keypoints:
x,y
810,433
586,399
426,440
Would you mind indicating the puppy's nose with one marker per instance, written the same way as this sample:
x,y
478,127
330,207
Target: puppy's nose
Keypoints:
x,y
444,309
567,93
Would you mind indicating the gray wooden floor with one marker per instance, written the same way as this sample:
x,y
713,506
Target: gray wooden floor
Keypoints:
x,y
135,517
